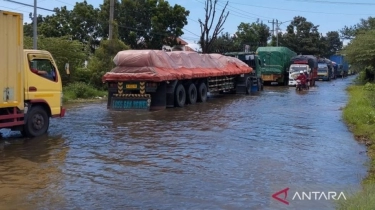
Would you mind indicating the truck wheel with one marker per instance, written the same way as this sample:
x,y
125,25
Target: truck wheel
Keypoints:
x,y
202,92
37,122
259,85
248,86
180,96
192,94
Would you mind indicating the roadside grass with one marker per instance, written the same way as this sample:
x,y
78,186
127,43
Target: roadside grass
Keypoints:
x,y
79,91
359,115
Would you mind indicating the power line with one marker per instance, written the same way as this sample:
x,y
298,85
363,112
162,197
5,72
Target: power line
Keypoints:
x,y
245,12
327,13
29,5
335,2
191,32
65,2
14,9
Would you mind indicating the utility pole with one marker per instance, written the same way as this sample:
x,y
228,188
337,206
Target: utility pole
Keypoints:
x,y
273,26
35,34
277,32
111,10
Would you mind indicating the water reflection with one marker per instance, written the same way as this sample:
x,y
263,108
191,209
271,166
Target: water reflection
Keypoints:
x,y
224,154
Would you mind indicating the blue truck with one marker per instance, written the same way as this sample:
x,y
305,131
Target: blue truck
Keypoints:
x,y
342,64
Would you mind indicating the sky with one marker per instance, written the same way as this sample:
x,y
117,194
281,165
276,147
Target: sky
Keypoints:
x,y
330,15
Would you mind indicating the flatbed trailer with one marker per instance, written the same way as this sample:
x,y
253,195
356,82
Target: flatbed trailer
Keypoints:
x,y
155,79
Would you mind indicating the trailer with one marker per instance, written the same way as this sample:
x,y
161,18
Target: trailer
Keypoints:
x,y
302,63
276,63
155,79
342,64
252,60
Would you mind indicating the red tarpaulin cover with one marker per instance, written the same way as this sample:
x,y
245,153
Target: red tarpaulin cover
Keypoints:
x,y
158,65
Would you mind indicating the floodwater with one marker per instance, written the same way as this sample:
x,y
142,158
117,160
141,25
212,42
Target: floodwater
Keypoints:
x,y
231,152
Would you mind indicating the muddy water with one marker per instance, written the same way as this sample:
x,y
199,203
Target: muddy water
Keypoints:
x,y
229,153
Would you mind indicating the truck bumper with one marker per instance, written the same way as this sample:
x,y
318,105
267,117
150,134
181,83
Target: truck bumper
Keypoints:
x,y
62,113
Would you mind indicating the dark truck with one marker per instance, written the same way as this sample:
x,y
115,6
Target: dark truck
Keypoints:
x,y
155,79
252,60
276,64
301,63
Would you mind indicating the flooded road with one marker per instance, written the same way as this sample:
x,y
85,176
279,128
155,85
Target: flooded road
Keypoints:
x,y
229,153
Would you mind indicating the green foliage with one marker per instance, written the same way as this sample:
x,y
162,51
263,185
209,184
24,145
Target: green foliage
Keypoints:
x,y
102,61
145,24
350,32
81,75
361,53
81,90
359,114
303,37
369,87
63,51
225,43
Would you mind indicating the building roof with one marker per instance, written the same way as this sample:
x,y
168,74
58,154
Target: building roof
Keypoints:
x,y
181,41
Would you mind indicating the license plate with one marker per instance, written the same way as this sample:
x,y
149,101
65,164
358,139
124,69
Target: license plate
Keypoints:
x,y
131,104
320,79
131,86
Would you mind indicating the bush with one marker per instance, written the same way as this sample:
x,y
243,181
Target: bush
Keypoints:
x,y
359,114
81,75
81,90
369,87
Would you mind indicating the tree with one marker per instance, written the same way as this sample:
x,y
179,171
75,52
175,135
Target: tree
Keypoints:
x,y
81,24
350,32
102,61
302,37
360,52
225,43
254,34
206,39
28,27
145,23
333,43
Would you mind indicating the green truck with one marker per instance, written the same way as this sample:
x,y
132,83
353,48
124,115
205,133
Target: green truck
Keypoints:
x,y
276,64
252,60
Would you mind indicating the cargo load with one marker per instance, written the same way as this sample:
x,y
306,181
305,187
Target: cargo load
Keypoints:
x,y
158,65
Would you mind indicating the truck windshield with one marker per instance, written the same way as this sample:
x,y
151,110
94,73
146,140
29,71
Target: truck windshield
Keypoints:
x,y
324,69
297,68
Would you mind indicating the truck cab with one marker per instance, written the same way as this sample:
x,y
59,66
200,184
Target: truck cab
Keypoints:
x,y
324,72
30,83
252,60
294,70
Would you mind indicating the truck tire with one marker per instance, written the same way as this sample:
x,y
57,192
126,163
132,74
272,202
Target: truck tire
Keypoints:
x,y
37,122
248,86
180,96
202,92
192,94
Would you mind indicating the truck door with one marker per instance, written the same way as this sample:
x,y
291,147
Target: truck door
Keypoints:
x,y
42,81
